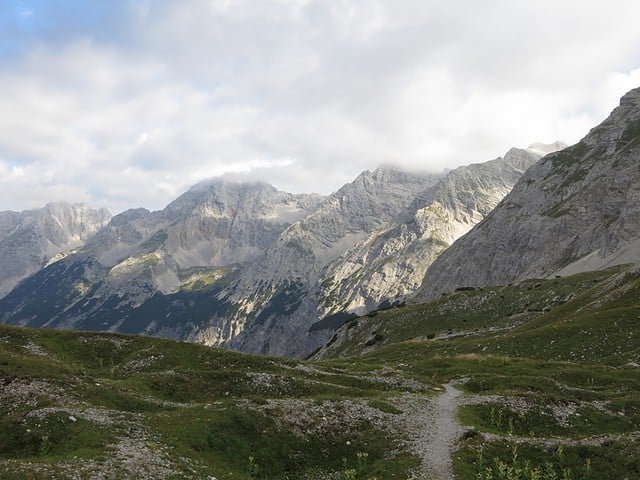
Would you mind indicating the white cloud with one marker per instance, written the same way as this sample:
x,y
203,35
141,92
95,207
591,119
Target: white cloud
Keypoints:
x,y
304,94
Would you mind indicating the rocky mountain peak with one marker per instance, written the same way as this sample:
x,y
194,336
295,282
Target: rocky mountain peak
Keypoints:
x,y
575,210
32,238
621,126
73,219
523,158
631,99
128,216
228,198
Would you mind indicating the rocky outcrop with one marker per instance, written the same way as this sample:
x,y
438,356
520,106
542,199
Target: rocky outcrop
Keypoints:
x,y
197,240
390,263
367,245
575,210
250,268
272,304
31,239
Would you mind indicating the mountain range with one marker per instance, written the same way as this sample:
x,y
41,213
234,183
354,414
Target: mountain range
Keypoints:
x,y
245,266
523,362
32,239
254,269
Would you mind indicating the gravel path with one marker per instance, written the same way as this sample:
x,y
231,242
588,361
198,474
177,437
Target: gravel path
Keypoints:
x,y
433,430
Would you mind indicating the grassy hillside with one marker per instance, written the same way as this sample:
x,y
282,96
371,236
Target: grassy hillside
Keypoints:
x,y
138,407
587,316
549,370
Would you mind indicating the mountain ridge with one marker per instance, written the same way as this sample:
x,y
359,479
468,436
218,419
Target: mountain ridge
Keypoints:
x,y
30,239
293,314
575,210
247,267
437,217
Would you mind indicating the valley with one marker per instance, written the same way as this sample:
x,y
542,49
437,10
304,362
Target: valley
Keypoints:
x,y
247,267
319,240
456,395
483,324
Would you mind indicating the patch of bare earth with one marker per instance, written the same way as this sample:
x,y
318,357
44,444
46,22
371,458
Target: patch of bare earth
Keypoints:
x,y
135,453
433,431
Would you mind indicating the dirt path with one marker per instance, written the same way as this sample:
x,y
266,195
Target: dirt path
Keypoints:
x,y
433,430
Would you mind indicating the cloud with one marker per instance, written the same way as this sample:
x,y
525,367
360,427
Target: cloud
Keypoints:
x,y
130,104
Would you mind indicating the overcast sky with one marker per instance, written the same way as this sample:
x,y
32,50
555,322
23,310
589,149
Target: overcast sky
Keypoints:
x,y
127,103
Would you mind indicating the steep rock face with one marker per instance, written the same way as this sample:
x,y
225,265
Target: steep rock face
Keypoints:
x,y
249,268
216,223
371,201
196,241
32,238
575,210
234,225
390,264
366,245
271,302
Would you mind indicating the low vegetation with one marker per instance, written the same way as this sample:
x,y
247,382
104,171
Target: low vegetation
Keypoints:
x,y
550,371
87,402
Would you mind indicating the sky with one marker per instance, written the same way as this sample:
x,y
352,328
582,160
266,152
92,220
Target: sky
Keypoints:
x,y
127,103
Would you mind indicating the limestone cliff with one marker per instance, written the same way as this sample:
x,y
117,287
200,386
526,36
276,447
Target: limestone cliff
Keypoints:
x,y
575,210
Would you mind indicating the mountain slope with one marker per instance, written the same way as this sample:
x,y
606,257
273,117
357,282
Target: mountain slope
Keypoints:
x,y
214,223
99,405
361,249
390,263
32,238
557,390
576,210
253,269
198,239
271,305
567,319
